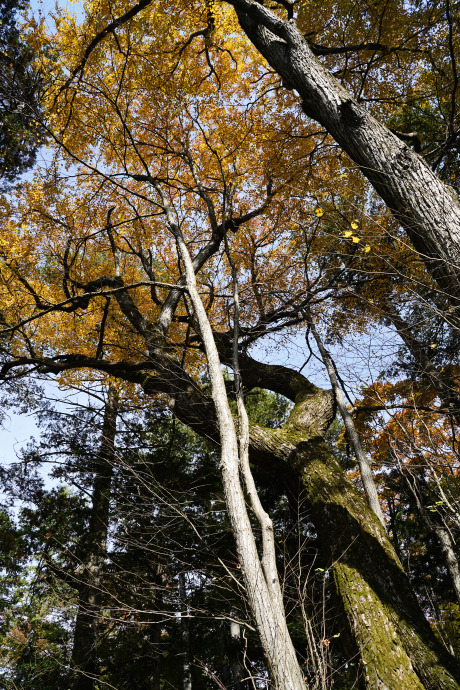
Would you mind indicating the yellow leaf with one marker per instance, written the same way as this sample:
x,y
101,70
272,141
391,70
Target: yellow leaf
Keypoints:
x,y
366,249
354,225
319,212
434,345
355,239
347,233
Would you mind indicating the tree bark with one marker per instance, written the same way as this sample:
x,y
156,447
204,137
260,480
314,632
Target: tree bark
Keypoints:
x,y
262,592
428,209
377,597
86,634
397,647
363,462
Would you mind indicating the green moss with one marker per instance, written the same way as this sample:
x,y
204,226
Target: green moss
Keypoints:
x,y
396,644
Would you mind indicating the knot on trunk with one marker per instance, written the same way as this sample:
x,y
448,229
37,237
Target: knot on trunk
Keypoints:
x,y
313,413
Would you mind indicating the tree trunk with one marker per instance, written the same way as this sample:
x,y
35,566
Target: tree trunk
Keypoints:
x,y
84,652
353,436
428,209
397,647
262,585
396,644
450,556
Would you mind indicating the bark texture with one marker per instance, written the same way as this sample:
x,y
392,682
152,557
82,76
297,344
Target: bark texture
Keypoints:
x,y
396,644
428,209
381,608
262,594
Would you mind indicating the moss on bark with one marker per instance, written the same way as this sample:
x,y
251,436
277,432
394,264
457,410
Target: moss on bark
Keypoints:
x,y
397,646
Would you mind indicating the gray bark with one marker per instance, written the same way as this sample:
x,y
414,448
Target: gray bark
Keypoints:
x,y
262,594
450,556
428,209
363,462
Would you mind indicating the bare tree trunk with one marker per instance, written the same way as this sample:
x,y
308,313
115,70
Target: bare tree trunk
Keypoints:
x,y
428,209
84,651
263,594
364,464
395,642
396,645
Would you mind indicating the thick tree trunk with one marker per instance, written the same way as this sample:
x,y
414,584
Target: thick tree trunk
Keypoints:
x,y
381,608
84,652
428,209
396,645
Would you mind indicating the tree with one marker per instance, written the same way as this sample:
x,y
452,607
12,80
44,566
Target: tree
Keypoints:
x,y
428,210
20,132
162,188
167,525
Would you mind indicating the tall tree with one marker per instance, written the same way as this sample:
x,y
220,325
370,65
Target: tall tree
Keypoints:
x,y
171,208
21,133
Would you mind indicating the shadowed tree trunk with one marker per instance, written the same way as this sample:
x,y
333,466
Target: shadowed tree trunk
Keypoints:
x,y
84,652
397,646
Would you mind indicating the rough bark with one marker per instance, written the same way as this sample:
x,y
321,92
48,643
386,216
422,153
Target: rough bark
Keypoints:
x,y
428,209
370,580
396,644
85,642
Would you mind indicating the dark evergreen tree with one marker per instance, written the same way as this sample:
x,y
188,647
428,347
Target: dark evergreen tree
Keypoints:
x,y
20,87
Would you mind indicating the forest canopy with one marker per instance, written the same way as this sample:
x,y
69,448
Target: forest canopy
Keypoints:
x,y
237,203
